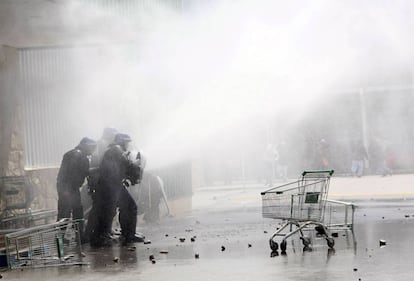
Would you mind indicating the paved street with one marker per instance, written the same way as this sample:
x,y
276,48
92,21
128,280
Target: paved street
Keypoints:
x,y
226,238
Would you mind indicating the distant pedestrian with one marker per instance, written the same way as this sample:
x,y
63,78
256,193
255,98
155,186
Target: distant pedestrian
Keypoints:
x,y
359,156
323,155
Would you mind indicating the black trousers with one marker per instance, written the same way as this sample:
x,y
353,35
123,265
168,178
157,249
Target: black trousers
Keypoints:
x,y
105,202
69,205
128,212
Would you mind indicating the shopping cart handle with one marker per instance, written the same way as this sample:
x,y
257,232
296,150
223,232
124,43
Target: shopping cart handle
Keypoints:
x,y
330,172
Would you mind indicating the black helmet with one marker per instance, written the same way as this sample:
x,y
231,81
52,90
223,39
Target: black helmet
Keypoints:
x,y
87,142
122,138
87,145
109,134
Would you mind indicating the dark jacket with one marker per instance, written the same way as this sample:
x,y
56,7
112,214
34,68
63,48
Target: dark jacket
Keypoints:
x,y
73,170
114,166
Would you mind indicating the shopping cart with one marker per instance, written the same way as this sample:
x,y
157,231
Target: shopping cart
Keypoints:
x,y
301,204
47,245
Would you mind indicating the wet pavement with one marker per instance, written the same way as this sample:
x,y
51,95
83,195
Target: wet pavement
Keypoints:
x,y
226,238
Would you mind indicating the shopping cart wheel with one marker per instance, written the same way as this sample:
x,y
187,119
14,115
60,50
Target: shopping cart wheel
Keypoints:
x,y
306,241
273,245
330,241
283,246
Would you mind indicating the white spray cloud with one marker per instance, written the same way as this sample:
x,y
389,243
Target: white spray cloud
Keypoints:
x,y
194,74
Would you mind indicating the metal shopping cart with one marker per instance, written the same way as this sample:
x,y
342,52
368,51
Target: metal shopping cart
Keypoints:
x,y
47,245
302,204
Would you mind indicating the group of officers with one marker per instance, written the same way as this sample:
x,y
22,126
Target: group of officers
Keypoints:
x,y
109,167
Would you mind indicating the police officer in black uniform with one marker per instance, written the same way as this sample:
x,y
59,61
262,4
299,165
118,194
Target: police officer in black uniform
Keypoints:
x,y
102,146
115,168
72,173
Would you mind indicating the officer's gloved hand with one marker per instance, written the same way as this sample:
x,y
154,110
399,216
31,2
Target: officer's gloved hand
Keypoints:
x,y
126,182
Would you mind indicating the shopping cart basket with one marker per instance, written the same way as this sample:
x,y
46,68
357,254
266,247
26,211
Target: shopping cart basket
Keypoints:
x,y
301,204
47,245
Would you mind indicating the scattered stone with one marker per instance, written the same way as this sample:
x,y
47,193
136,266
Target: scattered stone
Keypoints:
x,y
382,242
151,257
182,239
355,269
383,217
249,245
192,239
147,242
265,231
163,252
407,216
116,259
188,230
197,256
335,234
223,248
1,276
166,235
153,261
133,248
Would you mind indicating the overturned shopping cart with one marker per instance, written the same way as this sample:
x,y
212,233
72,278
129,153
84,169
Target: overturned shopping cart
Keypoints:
x,y
302,204
47,245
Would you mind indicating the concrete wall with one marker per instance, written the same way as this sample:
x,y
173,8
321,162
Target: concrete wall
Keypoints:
x,y
11,121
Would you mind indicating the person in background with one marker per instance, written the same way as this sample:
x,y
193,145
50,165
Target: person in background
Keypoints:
x,y
323,151
72,173
359,155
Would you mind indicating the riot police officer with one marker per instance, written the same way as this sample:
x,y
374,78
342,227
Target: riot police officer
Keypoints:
x,y
102,145
115,168
72,173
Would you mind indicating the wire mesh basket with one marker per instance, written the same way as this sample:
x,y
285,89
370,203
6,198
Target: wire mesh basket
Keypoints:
x,y
47,245
300,200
